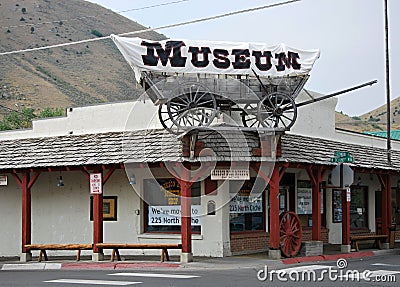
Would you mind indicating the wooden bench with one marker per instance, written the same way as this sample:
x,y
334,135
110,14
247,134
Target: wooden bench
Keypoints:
x,y
116,246
44,247
354,239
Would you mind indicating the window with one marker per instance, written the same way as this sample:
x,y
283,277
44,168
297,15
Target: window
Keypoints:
x,y
304,203
246,213
163,205
359,207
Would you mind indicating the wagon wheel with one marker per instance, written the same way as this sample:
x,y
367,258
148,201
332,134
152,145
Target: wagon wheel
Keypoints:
x,y
193,106
165,120
277,110
291,234
249,116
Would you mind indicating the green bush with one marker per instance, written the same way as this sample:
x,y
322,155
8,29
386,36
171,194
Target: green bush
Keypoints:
x,y
23,119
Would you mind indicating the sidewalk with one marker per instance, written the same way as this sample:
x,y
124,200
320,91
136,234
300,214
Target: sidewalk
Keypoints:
x,y
251,261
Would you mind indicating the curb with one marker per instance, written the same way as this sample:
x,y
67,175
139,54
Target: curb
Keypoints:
x,y
332,257
113,266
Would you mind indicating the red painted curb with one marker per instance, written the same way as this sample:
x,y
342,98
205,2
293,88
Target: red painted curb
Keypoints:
x,y
327,257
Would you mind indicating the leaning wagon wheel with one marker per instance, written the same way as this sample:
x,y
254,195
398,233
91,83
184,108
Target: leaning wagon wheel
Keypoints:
x,y
277,110
291,234
249,116
193,106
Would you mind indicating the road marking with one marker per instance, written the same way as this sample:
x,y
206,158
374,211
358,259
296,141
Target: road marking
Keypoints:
x,y
383,273
303,268
155,275
92,282
384,264
32,266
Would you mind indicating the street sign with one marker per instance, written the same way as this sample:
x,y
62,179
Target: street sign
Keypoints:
x,y
345,172
342,156
96,185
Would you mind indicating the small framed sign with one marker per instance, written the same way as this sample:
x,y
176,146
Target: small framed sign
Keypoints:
x,y
3,180
96,183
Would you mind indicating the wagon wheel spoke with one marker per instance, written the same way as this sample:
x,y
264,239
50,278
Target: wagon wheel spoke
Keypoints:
x,y
281,106
291,235
192,106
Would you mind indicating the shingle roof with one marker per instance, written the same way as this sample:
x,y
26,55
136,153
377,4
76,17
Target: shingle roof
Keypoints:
x,y
301,149
161,146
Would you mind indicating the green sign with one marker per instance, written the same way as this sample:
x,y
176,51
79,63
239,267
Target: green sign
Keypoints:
x,y
342,156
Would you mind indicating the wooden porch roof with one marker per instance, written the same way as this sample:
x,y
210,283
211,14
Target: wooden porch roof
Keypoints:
x,y
160,146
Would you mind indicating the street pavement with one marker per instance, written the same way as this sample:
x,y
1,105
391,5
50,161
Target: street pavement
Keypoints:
x,y
383,268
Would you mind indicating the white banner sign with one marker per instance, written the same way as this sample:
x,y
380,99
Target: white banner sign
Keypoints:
x,y
96,186
171,215
232,174
241,204
214,57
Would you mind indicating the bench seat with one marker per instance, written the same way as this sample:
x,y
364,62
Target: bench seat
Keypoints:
x,y
377,238
116,246
44,247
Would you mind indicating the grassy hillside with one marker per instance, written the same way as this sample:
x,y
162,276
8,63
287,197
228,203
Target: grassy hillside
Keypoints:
x,y
67,76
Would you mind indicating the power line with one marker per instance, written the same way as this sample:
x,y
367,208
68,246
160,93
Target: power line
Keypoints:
x,y
86,17
153,29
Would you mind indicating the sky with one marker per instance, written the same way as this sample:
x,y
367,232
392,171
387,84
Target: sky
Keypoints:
x,y
349,33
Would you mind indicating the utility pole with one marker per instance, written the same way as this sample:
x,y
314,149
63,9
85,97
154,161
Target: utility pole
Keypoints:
x,y
388,143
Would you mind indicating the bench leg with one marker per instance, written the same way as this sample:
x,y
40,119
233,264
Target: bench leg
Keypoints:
x,y
41,254
78,255
114,252
164,255
378,241
356,245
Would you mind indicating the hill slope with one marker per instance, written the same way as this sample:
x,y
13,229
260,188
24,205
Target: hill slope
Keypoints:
x,y
74,75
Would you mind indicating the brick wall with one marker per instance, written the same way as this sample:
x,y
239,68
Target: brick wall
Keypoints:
x,y
249,242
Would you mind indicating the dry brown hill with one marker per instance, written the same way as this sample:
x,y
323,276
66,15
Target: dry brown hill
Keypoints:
x,y
67,76
374,120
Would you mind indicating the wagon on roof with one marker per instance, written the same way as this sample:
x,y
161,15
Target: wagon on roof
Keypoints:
x,y
193,82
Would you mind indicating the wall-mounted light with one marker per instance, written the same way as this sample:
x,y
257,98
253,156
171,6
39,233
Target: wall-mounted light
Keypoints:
x,y
398,184
60,182
359,182
132,179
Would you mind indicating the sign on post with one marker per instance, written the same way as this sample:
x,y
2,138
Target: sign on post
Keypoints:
x,y
342,156
96,184
342,176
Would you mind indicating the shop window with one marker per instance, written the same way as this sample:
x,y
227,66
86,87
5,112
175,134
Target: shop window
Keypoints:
x,y
246,213
396,205
359,207
337,206
304,203
163,206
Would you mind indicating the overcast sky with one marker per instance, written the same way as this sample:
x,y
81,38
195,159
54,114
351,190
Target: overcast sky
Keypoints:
x,y
349,34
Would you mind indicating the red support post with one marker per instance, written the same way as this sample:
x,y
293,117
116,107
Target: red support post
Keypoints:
x,y
389,201
386,189
316,204
97,219
26,211
274,209
346,197
186,216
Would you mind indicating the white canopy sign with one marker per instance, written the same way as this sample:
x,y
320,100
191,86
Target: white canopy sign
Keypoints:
x,y
214,57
